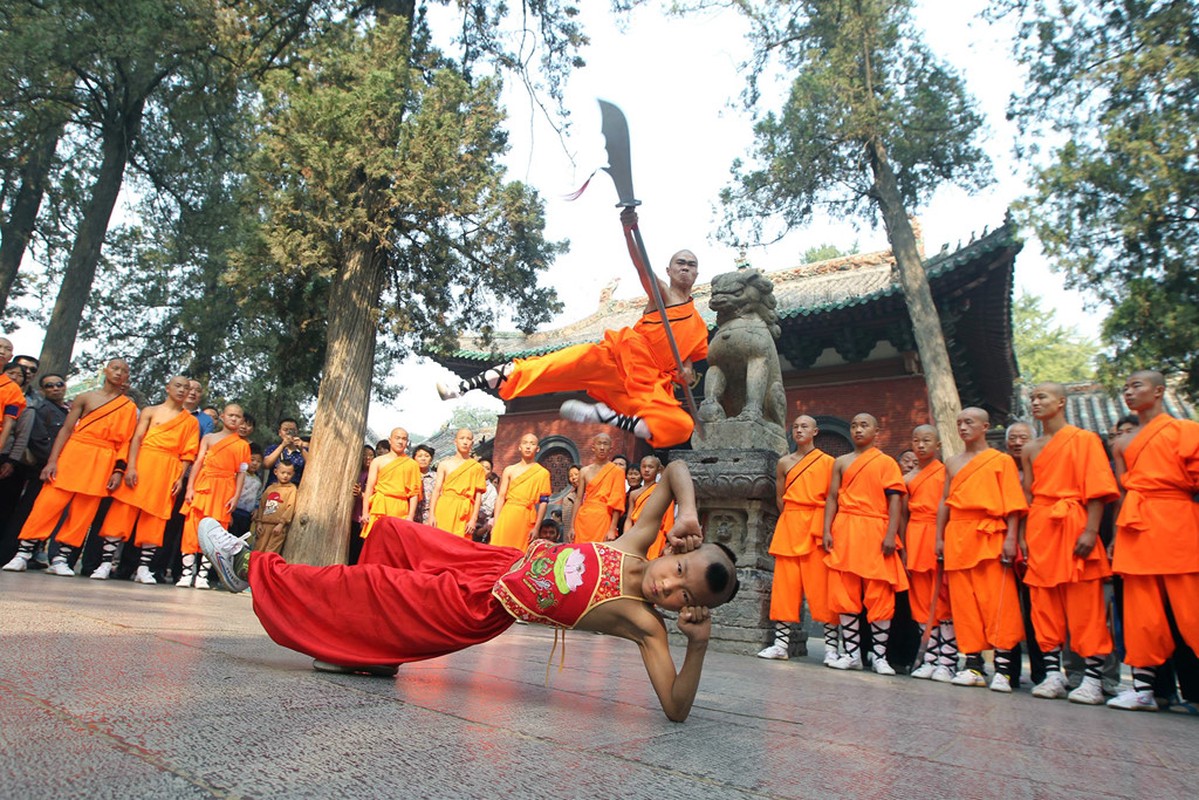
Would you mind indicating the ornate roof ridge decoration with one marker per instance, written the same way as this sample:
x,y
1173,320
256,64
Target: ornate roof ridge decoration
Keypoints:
x,y
805,290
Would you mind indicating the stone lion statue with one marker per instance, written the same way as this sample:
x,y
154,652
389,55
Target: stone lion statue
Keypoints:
x,y
744,381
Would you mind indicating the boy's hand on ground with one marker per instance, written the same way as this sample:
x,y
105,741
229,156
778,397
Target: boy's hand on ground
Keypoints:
x,y
695,622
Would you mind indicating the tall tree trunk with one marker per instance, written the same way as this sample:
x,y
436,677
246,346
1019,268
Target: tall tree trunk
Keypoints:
x,y
120,129
17,230
926,322
320,533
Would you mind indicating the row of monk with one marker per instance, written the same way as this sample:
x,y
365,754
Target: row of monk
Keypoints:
x,y
854,531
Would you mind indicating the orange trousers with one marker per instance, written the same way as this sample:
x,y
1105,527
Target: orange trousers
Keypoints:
x,y
49,508
986,607
920,595
797,578
848,590
1147,638
122,519
1079,609
630,384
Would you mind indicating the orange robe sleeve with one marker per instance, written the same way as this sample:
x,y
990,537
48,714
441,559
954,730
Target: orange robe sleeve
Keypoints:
x,y
397,486
862,516
981,496
924,497
659,543
801,524
160,464
1157,532
12,399
519,513
1070,471
217,479
457,497
689,329
605,494
100,438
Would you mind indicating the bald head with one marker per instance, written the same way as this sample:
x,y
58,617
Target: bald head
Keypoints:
x,y
1049,387
927,430
1149,376
976,413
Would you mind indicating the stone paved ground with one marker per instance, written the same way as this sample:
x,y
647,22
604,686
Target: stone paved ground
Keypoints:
x,y
118,690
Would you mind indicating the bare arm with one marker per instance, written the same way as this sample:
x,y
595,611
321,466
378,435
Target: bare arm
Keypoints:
x,y
199,465
830,504
135,446
436,494
501,494
676,690
780,484
675,486
1086,540
372,477
231,503
894,513
68,427
943,517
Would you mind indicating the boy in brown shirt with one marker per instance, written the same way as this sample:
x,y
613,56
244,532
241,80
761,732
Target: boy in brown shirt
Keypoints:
x,y
274,513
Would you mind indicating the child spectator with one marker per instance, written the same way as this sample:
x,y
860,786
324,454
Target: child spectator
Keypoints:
x,y
251,490
273,516
550,530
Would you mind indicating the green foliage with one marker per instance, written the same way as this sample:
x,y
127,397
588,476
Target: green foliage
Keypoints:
x,y
1047,351
826,252
861,75
1113,87
476,418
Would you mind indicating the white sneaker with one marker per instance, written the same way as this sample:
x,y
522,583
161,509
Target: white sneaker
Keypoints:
x,y
846,661
775,651
102,572
881,667
580,411
227,553
186,581
1000,683
969,677
18,564
925,671
1089,692
60,568
447,392
1132,700
830,656
202,582
143,575
1052,688
942,674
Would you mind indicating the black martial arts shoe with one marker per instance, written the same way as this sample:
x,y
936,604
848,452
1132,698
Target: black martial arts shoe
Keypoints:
x,y
374,670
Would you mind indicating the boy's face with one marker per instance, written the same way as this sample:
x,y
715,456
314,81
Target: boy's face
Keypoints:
x,y
246,429
528,446
674,581
423,459
464,440
572,476
231,418
548,532
601,446
178,388
863,429
284,472
255,463
633,476
649,470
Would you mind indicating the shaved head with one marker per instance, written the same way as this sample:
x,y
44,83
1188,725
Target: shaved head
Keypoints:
x,y
805,418
976,413
1150,376
1055,389
926,429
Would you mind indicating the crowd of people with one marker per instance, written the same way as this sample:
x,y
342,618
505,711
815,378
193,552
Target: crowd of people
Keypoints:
x,y
993,549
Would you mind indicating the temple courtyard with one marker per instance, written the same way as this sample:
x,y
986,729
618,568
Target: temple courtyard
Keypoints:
x,y
111,689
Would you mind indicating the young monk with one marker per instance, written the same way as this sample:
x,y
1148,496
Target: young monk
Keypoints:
x,y
602,487
630,372
977,529
861,527
801,485
440,594
926,487
649,470
164,445
91,447
1157,535
12,396
523,498
458,488
1068,481
393,484
213,488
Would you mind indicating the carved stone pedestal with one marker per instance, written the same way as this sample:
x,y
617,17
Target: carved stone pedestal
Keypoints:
x,y
735,493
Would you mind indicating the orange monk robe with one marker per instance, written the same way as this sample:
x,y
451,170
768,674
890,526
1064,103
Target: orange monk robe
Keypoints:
x,y
1066,592
12,399
797,545
525,492
397,486
605,495
215,484
925,490
630,371
858,533
147,506
986,608
85,465
1157,539
659,544
457,498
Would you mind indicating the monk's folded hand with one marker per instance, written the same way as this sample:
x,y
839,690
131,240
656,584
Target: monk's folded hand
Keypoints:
x,y
695,622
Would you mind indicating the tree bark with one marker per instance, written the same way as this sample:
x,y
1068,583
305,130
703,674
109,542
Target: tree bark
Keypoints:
x,y
17,230
119,130
943,395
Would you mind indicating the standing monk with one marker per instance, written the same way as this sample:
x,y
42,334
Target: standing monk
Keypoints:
x,y
93,445
523,498
164,445
213,488
458,487
861,525
602,487
926,487
630,372
801,486
1068,481
1157,535
393,484
650,469
977,528
12,396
